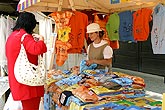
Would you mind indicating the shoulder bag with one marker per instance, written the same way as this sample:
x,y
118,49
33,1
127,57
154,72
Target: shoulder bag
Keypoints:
x,y
26,72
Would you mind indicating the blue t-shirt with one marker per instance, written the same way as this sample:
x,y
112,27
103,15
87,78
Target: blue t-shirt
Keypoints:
x,y
125,27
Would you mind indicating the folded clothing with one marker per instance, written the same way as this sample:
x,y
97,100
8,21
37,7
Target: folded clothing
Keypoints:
x,y
83,66
122,81
85,94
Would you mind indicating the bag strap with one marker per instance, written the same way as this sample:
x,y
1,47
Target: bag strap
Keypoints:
x,y
23,36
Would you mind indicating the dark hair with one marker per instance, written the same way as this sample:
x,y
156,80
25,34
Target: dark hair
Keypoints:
x,y
25,21
101,33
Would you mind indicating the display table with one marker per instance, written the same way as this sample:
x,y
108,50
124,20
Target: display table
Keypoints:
x,y
93,90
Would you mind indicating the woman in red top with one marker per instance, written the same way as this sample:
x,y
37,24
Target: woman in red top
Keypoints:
x,y
29,95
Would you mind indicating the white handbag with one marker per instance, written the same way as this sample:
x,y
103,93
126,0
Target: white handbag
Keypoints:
x,y
26,72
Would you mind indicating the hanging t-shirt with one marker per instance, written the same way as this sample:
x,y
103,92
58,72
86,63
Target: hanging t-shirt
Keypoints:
x,y
141,19
78,24
62,24
112,26
125,27
158,33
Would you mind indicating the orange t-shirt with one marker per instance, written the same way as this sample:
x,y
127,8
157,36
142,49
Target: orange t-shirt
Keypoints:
x,y
141,19
78,24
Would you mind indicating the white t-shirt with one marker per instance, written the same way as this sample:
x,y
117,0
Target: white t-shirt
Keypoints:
x,y
107,53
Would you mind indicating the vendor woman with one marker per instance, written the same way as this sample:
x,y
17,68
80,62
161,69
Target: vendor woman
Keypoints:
x,y
98,52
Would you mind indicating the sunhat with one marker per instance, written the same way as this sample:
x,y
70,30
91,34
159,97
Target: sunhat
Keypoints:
x,y
93,27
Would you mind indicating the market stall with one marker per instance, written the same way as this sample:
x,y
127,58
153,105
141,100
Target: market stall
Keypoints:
x,y
73,89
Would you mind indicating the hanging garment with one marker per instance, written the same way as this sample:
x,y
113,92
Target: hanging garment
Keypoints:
x,y
78,23
62,24
2,40
62,18
158,33
112,26
102,23
45,29
9,26
125,27
61,52
141,19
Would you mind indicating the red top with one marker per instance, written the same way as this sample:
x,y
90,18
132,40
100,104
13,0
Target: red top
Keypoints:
x,y
33,49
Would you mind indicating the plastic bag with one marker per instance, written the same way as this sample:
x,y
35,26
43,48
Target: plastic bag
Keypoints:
x,y
17,105
12,105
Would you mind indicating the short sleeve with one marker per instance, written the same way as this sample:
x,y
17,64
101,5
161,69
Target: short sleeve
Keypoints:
x,y
108,52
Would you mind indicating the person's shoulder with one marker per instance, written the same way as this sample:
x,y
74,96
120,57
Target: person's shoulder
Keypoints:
x,y
103,42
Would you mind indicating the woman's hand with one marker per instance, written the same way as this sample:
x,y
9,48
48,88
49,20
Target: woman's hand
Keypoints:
x,y
38,37
89,62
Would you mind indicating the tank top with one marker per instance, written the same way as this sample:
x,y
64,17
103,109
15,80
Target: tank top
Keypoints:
x,y
97,53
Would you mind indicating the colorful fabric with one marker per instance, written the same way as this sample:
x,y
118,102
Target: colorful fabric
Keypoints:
x,y
26,4
69,81
63,34
99,89
85,94
62,52
74,106
108,106
134,108
83,66
62,18
122,81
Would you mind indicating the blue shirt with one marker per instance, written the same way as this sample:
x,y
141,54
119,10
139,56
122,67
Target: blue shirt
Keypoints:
x,y
125,27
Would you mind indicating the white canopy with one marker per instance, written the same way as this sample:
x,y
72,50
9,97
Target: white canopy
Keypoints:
x,y
105,6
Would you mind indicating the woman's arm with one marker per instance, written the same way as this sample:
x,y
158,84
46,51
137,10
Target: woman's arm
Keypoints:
x,y
35,47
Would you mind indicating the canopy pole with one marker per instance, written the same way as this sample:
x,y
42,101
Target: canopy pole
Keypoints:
x,y
72,5
60,5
